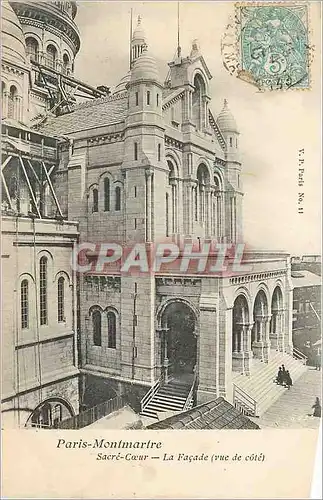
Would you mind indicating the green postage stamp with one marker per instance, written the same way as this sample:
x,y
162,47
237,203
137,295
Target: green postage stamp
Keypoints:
x,y
274,45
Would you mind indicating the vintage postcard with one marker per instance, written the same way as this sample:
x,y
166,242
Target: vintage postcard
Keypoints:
x,y
161,249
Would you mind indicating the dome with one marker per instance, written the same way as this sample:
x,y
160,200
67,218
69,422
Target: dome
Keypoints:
x,y
12,37
145,68
226,120
122,84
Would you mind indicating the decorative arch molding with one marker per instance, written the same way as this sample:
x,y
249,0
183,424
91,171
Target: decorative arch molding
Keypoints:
x,y
53,399
96,307
112,309
217,173
179,300
171,155
50,41
247,295
199,72
25,276
32,34
202,161
15,83
277,285
50,264
262,287
62,274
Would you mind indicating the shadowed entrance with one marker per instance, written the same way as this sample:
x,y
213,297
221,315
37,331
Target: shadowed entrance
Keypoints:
x,y
179,344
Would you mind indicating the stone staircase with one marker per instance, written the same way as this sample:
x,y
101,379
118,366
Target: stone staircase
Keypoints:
x,y
255,393
170,397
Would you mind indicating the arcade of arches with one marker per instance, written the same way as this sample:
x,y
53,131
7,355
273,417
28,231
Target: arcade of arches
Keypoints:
x,y
255,332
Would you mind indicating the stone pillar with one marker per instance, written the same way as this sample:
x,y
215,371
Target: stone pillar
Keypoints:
x,y
276,335
208,350
258,345
266,338
164,357
238,348
248,354
5,104
208,224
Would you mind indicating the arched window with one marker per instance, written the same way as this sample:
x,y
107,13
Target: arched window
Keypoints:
x,y
24,303
112,330
148,98
61,299
159,152
96,322
106,194
32,48
198,105
66,64
95,206
135,150
203,180
137,98
118,198
157,100
51,56
12,104
43,291
173,208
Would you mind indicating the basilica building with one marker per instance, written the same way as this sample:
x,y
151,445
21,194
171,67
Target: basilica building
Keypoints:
x,y
145,162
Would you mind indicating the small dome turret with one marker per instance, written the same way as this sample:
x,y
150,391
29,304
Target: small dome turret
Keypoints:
x,y
226,121
12,36
145,68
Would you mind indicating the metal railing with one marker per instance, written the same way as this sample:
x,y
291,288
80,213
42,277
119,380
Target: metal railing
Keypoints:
x,y
150,394
190,397
244,402
297,354
90,415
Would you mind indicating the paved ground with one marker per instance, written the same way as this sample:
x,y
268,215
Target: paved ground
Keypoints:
x,y
294,407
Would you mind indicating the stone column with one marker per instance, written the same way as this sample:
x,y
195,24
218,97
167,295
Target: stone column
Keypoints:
x,y
277,334
238,349
165,361
258,345
5,104
281,330
248,354
266,338
207,211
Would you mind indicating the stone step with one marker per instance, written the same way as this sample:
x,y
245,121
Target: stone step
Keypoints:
x,y
260,384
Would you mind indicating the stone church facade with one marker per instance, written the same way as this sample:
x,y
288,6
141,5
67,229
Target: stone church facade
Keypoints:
x,y
151,163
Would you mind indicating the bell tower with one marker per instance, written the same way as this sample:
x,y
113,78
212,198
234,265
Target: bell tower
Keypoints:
x,y
234,194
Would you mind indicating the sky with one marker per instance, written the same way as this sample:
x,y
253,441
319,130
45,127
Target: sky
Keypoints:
x,y
273,125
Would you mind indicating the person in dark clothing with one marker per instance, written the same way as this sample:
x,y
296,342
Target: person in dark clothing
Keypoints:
x,y
284,374
280,378
288,380
317,408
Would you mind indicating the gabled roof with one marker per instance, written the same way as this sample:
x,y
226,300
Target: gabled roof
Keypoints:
x,y
87,115
216,414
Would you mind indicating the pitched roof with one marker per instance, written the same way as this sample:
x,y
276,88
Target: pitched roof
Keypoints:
x,y
90,114
305,278
216,414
